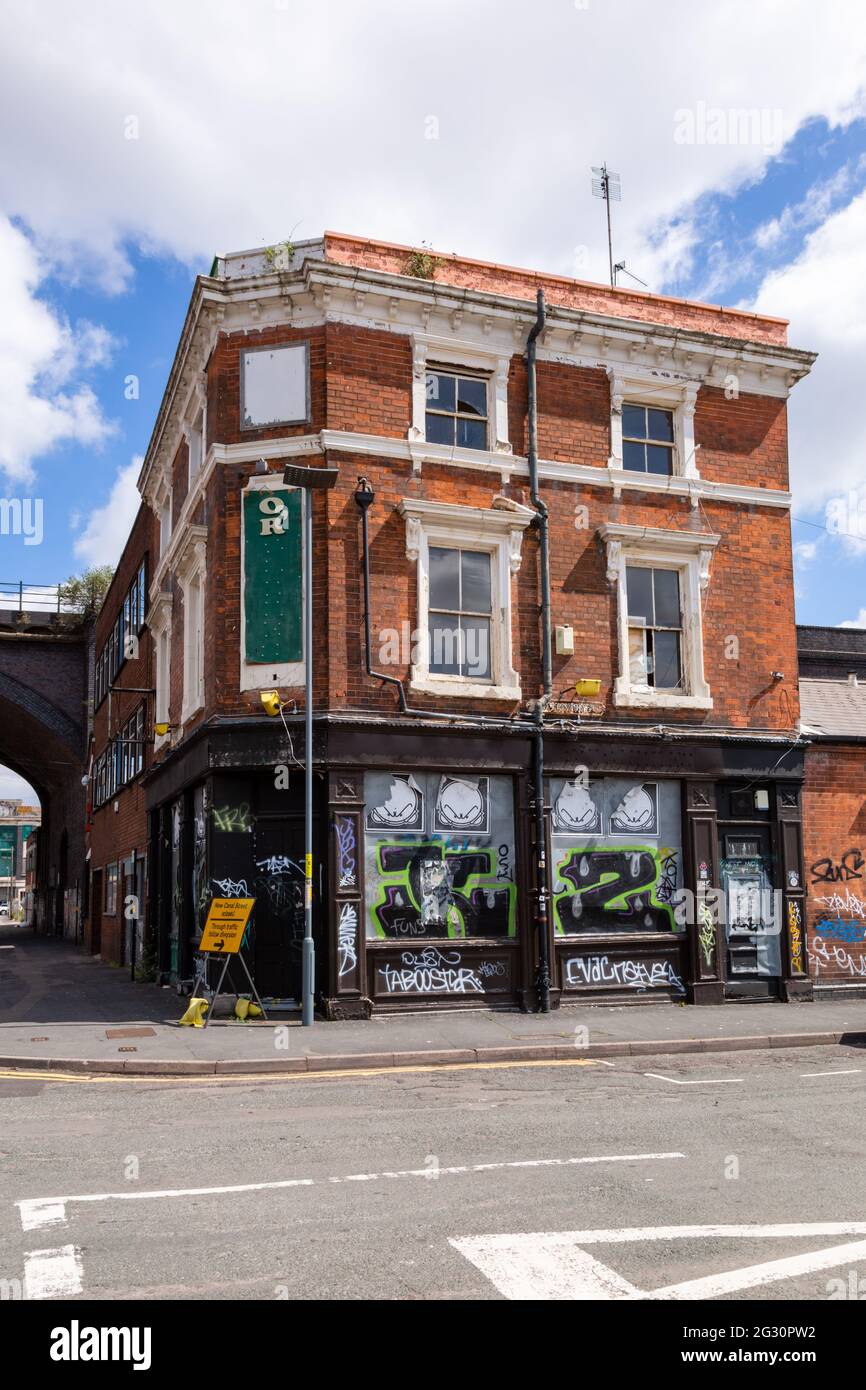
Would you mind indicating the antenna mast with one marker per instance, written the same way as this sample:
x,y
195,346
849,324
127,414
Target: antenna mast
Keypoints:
x,y
606,184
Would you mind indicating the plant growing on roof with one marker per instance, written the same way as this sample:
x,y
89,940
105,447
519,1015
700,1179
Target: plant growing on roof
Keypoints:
x,y
421,263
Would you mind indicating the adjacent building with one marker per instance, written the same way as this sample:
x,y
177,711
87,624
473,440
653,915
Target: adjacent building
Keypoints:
x,y
17,823
833,696
557,741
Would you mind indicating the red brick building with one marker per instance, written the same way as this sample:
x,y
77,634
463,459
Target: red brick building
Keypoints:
x,y
579,771
833,694
121,752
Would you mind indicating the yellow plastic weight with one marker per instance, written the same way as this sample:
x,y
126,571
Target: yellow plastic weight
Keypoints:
x,y
195,1013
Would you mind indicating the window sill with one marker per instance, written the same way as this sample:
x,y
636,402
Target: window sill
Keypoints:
x,y
656,699
455,686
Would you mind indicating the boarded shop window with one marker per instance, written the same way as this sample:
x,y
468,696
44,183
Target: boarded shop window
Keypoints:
x,y
274,386
617,855
439,856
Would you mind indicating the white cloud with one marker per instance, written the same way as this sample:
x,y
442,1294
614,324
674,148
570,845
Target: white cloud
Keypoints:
x,y
41,406
859,621
104,536
823,293
251,118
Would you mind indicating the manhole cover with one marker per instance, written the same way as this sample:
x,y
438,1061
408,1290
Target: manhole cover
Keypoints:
x,y
130,1032
39,1040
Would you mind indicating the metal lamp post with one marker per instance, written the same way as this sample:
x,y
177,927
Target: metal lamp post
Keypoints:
x,y
309,480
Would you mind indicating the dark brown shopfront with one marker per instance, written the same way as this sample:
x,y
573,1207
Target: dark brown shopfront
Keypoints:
x,y
425,885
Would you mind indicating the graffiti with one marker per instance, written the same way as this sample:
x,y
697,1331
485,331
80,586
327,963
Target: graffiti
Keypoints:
x,y
429,889
278,864
824,953
706,934
347,939
347,868
637,812
835,902
403,809
462,804
795,935
503,868
233,819
574,810
840,930
668,875
848,867
430,972
613,887
631,974
491,967
231,888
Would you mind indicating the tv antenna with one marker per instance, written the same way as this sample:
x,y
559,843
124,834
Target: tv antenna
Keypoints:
x,y
620,265
606,184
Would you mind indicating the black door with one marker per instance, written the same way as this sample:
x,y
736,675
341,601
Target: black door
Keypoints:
x,y
278,887
752,924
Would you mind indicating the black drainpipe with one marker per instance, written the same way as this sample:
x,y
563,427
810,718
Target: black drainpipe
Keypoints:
x,y
541,897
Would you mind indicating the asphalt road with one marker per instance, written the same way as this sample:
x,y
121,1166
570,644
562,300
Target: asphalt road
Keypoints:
x,y
443,1183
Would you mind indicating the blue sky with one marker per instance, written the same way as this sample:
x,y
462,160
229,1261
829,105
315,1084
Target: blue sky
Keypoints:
x,y
148,136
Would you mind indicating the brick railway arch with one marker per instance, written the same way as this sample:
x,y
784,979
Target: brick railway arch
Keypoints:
x,y
43,737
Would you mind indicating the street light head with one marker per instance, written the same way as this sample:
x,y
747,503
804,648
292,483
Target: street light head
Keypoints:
x,y
364,494
317,479
262,467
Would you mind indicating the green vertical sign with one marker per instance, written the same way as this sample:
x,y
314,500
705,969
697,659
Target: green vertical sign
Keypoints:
x,y
272,575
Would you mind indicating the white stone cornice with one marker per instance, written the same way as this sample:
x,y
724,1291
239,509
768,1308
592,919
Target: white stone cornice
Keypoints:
x,y
507,467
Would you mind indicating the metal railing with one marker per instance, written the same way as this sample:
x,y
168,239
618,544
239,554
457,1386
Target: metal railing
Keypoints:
x,y
23,597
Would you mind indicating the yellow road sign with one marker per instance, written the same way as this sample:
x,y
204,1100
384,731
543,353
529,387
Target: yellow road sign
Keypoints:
x,y
225,926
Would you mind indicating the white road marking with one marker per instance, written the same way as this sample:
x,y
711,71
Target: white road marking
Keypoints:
x,y
675,1080
848,1071
553,1265
53,1273
43,1211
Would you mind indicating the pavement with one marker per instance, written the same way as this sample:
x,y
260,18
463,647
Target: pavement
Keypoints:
x,y
62,1010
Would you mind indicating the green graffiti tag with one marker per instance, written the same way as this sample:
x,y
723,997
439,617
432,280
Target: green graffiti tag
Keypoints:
x,y
427,889
612,885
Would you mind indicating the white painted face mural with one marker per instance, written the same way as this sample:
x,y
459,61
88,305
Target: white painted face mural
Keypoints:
x,y
636,812
461,804
575,809
403,809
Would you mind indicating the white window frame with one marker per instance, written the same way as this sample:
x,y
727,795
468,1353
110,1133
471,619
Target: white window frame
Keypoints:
x,y
191,571
499,533
163,511
430,352
194,427
643,388
689,553
159,622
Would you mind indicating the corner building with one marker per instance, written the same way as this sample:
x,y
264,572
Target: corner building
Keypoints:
x,y
665,749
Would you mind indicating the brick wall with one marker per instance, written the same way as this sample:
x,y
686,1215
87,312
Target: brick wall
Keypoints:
x,y
834,815
463,272
116,834
361,381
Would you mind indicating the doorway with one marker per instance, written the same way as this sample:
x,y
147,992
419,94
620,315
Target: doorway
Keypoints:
x,y
278,925
753,947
